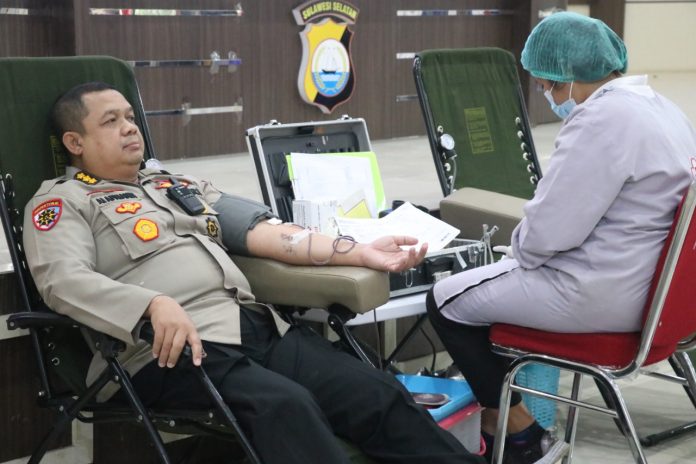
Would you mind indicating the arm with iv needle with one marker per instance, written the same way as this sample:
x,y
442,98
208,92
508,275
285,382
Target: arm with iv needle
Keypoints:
x,y
250,229
291,244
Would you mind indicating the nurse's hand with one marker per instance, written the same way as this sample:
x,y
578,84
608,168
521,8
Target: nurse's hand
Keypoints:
x,y
505,250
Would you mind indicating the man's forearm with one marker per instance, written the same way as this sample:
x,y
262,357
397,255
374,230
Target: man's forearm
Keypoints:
x,y
292,244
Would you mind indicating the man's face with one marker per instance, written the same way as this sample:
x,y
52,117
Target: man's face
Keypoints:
x,y
111,146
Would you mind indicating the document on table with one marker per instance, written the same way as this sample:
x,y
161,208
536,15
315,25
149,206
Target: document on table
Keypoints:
x,y
351,179
404,220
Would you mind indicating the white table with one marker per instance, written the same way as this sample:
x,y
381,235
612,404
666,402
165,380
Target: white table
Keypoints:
x,y
395,308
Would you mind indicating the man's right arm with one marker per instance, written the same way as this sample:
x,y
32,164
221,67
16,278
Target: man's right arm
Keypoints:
x,y
173,329
62,256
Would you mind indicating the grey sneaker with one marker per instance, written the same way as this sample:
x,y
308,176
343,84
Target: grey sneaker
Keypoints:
x,y
555,450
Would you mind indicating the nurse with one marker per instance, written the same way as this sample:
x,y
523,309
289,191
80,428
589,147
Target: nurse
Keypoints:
x,y
582,258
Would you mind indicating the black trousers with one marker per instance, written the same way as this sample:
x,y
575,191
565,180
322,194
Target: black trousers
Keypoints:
x,y
292,395
471,352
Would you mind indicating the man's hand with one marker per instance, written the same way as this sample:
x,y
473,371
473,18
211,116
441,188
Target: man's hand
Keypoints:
x,y
385,254
173,329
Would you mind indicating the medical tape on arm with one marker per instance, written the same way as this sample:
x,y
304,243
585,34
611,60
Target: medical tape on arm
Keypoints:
x,y
298,236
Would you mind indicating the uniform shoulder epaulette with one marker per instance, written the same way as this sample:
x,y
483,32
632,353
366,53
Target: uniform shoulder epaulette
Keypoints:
x,y
86,178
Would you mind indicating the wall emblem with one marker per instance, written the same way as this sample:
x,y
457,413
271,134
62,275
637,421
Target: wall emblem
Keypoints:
x,y
326,78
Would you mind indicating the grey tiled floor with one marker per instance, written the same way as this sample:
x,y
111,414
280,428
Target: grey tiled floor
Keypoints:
x,y
408,173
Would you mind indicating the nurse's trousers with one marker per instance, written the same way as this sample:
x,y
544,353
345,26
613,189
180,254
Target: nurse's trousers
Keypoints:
x,y
462,307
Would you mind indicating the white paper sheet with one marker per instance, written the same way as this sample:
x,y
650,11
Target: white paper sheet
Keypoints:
x,y
348,178
405,220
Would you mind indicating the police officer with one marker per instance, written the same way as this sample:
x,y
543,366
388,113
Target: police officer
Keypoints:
x,y
109,244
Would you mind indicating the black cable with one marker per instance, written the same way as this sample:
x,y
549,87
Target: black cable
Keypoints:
x,y
379,340
432,347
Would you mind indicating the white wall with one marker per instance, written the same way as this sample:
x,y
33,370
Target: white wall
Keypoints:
x,y
661,36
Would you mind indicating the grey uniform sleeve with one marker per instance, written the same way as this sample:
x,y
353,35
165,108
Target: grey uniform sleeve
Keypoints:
x,y
62,262
237,216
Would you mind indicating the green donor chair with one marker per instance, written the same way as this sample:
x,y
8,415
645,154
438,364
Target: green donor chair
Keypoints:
x,y
479,135
30,153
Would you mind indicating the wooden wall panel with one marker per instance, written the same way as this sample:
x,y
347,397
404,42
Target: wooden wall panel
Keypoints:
x,y
46,31
10,299
373,61
267,40
175,38
22,422
414,34
177,137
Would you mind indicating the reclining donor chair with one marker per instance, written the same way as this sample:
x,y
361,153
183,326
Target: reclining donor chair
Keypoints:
x,y
30,153
479,136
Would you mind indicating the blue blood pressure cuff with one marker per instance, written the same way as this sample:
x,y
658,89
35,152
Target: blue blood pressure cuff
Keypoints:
x,y
237,216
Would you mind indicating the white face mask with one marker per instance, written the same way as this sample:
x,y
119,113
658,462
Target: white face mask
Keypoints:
x,y
564,109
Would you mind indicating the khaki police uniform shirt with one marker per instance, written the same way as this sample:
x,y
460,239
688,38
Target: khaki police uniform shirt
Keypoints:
x,y
101,250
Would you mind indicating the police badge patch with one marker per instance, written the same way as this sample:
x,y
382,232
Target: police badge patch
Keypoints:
x,y
128,207
211,227
46,215
326,78
146,230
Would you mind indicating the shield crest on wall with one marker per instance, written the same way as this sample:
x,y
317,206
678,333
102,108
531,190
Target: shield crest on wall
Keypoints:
x,y
326,78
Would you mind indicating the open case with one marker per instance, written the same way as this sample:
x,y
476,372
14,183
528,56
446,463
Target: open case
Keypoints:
x,y
270,143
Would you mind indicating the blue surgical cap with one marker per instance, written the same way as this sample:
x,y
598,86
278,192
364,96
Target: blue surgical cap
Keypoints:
x,y
567,47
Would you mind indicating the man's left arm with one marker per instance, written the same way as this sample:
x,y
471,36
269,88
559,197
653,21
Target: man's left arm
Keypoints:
x,y
250,228
292,244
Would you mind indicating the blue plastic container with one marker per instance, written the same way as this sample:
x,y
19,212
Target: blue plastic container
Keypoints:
x,y
459,392
544,378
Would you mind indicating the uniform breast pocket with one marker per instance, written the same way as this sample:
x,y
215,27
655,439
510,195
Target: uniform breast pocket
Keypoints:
x,y
143,229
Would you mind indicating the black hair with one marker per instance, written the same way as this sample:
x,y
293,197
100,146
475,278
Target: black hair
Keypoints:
x,y
69,110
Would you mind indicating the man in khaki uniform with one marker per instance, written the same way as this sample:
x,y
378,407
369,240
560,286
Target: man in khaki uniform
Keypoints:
x,y
109,244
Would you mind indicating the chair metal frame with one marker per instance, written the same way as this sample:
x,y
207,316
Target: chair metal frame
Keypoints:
x,y
606,377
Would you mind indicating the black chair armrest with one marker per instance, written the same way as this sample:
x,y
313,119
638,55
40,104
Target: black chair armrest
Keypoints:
x,y
45,319
38,320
